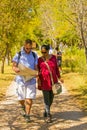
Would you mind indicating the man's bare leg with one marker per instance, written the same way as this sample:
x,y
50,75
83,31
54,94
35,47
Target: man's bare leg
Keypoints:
x,y
22,102
28,104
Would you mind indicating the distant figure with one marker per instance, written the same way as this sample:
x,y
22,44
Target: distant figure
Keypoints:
x,y
51,50
59,58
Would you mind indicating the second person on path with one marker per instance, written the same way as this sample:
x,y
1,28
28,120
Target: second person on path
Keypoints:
x,y
45,79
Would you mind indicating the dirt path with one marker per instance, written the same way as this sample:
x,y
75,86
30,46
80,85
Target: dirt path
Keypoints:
x,y
65,114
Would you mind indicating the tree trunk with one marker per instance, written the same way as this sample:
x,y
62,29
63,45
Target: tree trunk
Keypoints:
x,y
84,42
54,43
86,54
7,54
8,59
2,66
3,62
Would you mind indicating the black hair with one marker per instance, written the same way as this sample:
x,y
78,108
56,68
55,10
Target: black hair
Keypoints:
x,y
46,47
57,48
28,41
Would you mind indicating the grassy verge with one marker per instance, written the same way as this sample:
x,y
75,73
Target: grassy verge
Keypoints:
x,y
76,84
5,80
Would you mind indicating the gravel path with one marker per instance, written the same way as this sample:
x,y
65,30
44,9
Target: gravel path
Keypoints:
x,y
65,113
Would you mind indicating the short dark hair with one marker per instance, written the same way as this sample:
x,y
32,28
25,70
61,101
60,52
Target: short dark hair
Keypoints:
x,y
57,48
28,41
46,47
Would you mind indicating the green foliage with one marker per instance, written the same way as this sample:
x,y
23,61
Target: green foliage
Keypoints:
x,y
70,37
74,58
83,89
43,21
53,24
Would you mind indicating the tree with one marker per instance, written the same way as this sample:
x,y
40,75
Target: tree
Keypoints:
x,y
53,25
12,14
79,13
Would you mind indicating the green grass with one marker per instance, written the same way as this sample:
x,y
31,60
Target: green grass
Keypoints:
x,y
76,84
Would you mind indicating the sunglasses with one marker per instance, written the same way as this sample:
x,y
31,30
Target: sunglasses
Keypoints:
x,y
28,48
44,52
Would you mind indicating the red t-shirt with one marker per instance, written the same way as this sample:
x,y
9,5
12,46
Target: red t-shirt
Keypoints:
x,y
44,76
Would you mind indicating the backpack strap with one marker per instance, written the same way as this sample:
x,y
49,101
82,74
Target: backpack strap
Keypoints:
x,y
33,54
19,55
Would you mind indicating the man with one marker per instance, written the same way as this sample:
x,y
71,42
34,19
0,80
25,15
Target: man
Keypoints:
x,y
26,89
59,59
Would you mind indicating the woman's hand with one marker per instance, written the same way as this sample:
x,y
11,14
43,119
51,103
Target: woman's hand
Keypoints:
x,y
61,80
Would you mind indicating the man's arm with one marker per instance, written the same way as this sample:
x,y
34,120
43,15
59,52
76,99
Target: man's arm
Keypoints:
x,y
15,67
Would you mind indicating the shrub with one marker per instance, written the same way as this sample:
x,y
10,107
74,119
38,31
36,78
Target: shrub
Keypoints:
x,y
74,59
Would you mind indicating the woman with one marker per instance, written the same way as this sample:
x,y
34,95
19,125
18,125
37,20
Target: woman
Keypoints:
x,y
45,80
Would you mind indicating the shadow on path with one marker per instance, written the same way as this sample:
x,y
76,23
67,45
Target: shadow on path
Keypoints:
x,y
65,114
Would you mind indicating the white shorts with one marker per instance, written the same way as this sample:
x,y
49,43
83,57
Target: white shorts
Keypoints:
x,y
26,92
